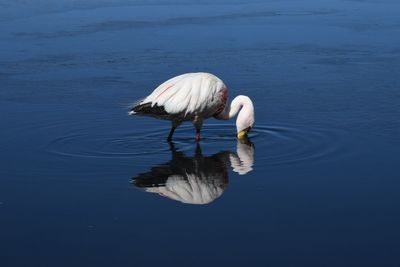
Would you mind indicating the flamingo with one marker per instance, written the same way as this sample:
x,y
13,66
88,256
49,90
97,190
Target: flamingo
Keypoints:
x,y
195,97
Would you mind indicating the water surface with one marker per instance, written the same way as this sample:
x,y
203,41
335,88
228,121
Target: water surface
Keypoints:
x,y
83,184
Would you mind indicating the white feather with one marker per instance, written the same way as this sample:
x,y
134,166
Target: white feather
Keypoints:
x,y
189,94
195,97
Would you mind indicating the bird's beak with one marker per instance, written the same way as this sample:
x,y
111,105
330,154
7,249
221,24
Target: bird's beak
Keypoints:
x,y
243,133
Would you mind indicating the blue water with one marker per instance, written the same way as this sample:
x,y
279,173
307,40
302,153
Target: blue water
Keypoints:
x,y
83,184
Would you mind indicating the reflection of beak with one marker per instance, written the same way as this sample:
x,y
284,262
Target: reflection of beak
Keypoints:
x,y
245,140
243,133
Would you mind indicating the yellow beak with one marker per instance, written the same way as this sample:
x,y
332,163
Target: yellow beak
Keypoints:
x,y
242,134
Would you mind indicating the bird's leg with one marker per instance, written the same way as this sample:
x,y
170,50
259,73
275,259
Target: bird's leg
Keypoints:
x,y
169,138
198,122
171,133
197,135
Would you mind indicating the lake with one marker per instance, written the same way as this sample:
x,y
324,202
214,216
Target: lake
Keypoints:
x,y
84,184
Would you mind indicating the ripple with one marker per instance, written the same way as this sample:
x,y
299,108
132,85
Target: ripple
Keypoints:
x,y
274,144
129,143
286,145
104,145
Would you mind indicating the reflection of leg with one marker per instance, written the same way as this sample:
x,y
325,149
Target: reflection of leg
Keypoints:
x,y
198,150
172,146
176,154
197,135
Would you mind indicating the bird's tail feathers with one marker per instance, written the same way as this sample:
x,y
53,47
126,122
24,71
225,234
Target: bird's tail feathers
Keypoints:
x,y
133,107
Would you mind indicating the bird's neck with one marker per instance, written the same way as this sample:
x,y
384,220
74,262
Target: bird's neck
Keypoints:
x,y
239,103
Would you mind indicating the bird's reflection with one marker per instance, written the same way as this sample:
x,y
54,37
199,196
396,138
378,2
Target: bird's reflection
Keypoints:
x,y
198,179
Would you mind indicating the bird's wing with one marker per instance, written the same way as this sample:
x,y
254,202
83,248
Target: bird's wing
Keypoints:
x,y
191,93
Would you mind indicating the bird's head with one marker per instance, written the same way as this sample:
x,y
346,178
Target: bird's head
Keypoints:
x,y
245,119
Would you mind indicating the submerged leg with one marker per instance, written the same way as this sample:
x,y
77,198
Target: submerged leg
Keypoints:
x,y
198,122
171,133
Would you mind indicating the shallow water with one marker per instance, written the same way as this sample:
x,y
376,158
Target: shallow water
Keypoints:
x,y
83,184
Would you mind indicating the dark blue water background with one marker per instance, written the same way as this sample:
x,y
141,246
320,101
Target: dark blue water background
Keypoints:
x,y
320,182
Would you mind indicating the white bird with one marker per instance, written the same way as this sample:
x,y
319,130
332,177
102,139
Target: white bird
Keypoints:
x,y
195,97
